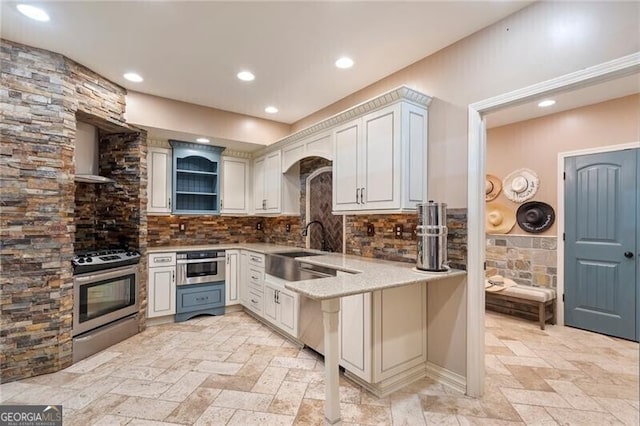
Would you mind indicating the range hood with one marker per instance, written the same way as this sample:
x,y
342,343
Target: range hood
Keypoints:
x,y
86,154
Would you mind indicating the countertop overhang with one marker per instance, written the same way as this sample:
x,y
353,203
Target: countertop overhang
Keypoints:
x,y
361,274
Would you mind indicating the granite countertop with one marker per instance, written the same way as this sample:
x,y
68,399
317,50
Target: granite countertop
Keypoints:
x,y
361,274
257,247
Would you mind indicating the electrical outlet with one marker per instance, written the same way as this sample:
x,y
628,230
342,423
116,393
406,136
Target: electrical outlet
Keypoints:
x,y
287,227
371,231
398,230
259,226
182,226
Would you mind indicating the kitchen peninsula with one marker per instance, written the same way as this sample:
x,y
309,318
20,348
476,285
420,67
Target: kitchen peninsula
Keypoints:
x,y
395,311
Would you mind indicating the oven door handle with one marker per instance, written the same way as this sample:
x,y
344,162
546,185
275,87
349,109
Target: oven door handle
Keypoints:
x,y
106,274
216,259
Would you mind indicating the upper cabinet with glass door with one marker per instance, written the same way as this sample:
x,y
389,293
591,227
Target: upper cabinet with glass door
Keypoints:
x,y
196,178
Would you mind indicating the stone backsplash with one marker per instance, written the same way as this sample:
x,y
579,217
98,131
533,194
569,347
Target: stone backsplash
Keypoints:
x,y
165,230
384,245
86,214
528,260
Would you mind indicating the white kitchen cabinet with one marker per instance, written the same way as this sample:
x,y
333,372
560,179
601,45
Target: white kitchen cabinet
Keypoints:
x,y
380,344
243,276
270,306
252,281
159,180
235,186
379,160
267,183
161,298
354,335
281,307
232,278
399,339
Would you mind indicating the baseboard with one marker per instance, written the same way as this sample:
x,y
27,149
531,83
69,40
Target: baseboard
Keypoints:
x,y
447,377
233,308
392,384
151,322
273,328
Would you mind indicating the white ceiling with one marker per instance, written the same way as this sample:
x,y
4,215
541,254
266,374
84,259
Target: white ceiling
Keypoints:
x,y
191,51
577,98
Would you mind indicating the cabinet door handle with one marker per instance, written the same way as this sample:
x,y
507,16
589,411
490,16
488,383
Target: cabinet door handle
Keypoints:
x,y
357,195
173,276
228,257
362,195
169,202
254,278
254,301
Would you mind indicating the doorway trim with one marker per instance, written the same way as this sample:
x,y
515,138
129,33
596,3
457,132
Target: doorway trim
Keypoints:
x,y
477,148
560,218
307,212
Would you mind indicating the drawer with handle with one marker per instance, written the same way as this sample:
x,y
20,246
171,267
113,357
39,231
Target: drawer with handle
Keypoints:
x,y
255,276
254,301
198,297
162,259
256,259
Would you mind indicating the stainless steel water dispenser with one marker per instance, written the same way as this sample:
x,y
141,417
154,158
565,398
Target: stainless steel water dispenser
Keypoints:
x,y
432,237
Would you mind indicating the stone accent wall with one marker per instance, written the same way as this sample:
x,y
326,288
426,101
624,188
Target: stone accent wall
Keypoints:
x,y
384,245
86,214
40,94
119,203
528,260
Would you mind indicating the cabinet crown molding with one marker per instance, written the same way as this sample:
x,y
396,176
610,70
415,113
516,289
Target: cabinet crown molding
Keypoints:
x,y
195,146
402,93
236,154
158,143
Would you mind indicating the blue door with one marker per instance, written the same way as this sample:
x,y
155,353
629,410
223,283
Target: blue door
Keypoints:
x,y
601,242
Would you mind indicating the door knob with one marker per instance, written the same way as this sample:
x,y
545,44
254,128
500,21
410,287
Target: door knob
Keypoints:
x,y
628,254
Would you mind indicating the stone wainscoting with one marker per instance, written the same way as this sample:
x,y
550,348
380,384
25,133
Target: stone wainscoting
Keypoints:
x,y
42,95
528,260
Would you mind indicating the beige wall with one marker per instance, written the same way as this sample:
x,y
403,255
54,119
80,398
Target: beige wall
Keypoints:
x,y
535,144
542,41
162,113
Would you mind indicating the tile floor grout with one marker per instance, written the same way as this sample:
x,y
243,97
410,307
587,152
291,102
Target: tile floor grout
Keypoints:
x,y
233,370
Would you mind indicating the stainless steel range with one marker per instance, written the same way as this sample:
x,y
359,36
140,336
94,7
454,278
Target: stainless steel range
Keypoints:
x,y
105,299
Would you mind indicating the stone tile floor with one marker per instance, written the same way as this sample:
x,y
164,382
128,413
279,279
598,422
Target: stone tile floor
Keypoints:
x,y
232,370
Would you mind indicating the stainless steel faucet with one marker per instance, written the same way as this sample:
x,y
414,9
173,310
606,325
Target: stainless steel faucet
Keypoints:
x,y
305,232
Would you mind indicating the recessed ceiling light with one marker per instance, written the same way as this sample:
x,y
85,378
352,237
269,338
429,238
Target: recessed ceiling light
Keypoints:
x,y
271,110
203,140
33,12
246,76
344,62
132,76
546,103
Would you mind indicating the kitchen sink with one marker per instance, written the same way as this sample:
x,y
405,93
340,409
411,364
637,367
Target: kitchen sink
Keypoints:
x,y
286,267
301,253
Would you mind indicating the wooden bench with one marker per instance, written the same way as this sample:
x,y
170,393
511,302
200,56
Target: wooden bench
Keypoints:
x,y
526,300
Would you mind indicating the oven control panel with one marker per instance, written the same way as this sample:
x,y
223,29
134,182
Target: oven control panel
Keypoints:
x,y
96,260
